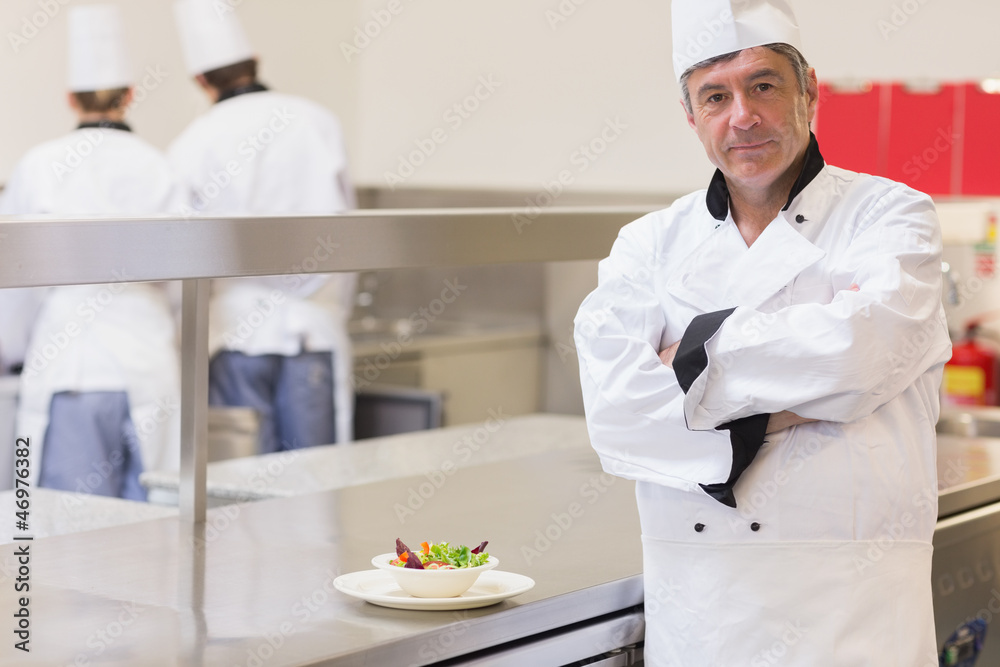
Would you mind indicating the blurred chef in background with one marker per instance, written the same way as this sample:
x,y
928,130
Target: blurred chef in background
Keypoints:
x,y
100,385
279,345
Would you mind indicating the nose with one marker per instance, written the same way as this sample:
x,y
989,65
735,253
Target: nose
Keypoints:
x,y
743,116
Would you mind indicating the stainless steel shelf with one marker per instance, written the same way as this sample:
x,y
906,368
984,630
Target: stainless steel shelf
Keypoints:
x,y
66,252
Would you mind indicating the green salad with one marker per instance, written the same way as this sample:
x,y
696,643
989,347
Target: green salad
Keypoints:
x,y
439,556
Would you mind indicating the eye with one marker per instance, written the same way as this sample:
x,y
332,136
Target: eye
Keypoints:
x,y
764,87
715,99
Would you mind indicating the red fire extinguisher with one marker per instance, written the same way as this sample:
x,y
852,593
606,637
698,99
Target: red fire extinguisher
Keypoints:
x,y
970,376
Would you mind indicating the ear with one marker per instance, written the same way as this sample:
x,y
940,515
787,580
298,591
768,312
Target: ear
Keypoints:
x,y
73,104
206,87
127,100
689,116
812,93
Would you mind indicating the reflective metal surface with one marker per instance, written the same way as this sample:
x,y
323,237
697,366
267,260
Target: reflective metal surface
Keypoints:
x,y
254,584
968,459
966,574
974,421
968,473
498,438
64,512
611,639
65,252
967,538
194,399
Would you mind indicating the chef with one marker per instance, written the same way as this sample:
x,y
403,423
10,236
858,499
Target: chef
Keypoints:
x,y
763,357
100,385
278,344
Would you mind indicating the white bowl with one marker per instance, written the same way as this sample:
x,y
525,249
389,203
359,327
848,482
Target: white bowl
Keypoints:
x,y
433,583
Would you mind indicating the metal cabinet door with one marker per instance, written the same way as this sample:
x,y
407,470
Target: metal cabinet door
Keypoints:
x,y
607,643
965,575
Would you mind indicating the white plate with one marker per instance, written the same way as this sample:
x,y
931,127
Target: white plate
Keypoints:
x,y
378,587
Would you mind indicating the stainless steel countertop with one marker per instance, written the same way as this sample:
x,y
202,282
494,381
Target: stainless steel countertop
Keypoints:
x,y
498,437
62,512
968,473
968,467
258,582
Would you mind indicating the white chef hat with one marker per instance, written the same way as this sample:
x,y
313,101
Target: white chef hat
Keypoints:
x,y
703,29
211,35
97,58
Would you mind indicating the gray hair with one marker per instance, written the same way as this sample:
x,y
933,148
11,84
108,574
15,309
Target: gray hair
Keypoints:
x,y
797,60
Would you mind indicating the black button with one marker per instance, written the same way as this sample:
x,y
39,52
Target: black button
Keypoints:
x,y
755,526
698,527
800,218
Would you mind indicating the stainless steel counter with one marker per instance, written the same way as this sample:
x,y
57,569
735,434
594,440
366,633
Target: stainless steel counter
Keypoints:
x,y
967,536
64,512
256,586
968,473
498,437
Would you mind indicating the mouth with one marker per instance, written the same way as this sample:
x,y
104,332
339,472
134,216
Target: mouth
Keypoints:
x,y
749,146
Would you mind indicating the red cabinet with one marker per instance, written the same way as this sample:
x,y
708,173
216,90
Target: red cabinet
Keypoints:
x,y
940,139
848,127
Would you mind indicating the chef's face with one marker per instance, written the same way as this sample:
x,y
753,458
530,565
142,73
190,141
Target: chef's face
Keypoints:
x,y
751,116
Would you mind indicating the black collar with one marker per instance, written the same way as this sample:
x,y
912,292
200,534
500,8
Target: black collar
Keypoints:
x,y
241,90
106,124
717,198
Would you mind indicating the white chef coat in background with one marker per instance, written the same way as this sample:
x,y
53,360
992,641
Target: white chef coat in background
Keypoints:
x,y
269,153
826,559
18,310
127,335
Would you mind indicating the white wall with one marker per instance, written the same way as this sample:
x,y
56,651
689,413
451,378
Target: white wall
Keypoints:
x,y
559,81
293,38
558,89
609,59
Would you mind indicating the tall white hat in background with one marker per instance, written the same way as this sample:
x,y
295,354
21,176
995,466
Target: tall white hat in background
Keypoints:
x,y
703,29
97,57
211,35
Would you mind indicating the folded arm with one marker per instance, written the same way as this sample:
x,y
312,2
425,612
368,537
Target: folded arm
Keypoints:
x,y
633,401
839,361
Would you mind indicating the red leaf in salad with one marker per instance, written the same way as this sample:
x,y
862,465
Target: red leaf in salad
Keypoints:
x,y
480,547
400,547
413,561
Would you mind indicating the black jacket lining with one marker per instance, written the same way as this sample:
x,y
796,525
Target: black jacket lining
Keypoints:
x,y
241,90
106,124
746,435
717,198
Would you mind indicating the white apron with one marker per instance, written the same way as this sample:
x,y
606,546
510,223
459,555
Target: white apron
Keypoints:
x,y
826,558
128,345
267,153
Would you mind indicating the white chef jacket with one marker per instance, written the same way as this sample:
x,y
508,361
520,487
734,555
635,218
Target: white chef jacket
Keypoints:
x,y
825,558
119,336
268,153
18,310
